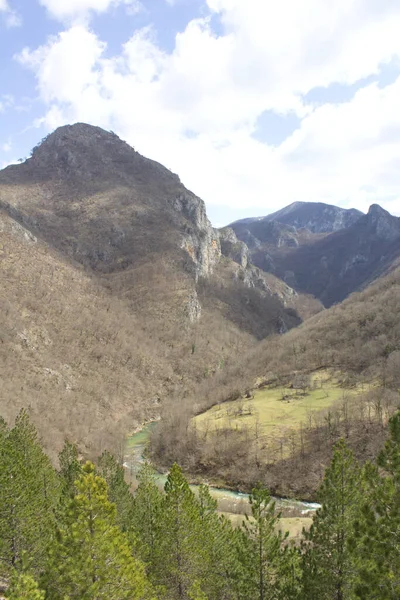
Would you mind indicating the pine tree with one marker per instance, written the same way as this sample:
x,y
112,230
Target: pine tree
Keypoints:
x,y
328,561
220,563
378,529
90,558
260,549
147,519
24,587
29,494
182,555
289,582
70,469
118,490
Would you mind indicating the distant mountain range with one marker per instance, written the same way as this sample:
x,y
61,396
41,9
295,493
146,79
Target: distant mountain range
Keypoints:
x,y
323,250
317,217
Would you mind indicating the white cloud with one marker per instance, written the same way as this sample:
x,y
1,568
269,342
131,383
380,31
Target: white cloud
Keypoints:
x,y
11,18
6,147
65,67
78,10
195,109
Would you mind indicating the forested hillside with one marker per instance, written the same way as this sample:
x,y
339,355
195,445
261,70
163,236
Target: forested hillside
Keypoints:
x,y
114,292
79,533
350,352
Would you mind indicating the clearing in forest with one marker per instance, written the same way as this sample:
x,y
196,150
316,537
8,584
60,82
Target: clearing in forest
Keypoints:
x,y
275,413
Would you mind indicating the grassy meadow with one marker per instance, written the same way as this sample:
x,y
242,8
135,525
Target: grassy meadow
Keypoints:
x,y
276,413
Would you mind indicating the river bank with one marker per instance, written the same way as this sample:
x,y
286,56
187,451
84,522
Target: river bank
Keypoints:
x,y
230,502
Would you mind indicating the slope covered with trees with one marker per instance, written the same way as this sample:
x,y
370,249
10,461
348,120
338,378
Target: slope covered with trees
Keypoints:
x,y
114,291
357,342
94,539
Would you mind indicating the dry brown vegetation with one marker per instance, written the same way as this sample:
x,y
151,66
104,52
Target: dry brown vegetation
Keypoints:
x,y
101,330
359,338
95,357
103,256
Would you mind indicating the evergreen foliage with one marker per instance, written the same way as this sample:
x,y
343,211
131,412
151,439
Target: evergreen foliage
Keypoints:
x,y
220,562
378,529
90,558
70,469
29,494
146,518
24,587
118,490
328,561
261,549
88,538
181,552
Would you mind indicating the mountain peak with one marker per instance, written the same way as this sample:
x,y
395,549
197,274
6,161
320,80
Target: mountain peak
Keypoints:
x,y
66,143
317,217
89,156
78,133
385,225
377,211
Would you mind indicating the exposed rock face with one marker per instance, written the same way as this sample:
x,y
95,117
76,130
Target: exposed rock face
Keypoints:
x,y
101,202
261,234
386,227
201,242
232,247
250,275
193,307
8,225
253,277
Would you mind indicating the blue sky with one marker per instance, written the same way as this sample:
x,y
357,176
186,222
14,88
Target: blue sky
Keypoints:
x,y
254,103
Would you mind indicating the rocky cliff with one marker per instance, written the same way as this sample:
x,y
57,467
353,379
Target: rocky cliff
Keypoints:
x,y
126,218
95,198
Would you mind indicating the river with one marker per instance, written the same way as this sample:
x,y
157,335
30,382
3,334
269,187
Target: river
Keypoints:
x,y
230,502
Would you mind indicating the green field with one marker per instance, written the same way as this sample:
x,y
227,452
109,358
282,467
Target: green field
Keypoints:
x,y
275,412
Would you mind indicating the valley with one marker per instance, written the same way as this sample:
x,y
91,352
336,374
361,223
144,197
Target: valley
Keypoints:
x,y
233,504
124,305
264,358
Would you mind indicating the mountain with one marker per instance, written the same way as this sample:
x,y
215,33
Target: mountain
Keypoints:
x,y
328,258
98,201
125,217
317,217
349,353
115,290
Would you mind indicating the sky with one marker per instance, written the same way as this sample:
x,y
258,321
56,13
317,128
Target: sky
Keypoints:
x,y
254,103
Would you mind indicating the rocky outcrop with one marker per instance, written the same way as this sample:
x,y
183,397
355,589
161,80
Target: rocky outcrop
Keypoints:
x,y
16,229
193,307
263,234
233,248
200,240
384,225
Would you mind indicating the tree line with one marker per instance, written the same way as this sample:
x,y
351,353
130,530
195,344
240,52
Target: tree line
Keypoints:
x,y
78,533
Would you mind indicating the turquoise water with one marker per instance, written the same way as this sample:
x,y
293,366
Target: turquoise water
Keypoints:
x,y
228,500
